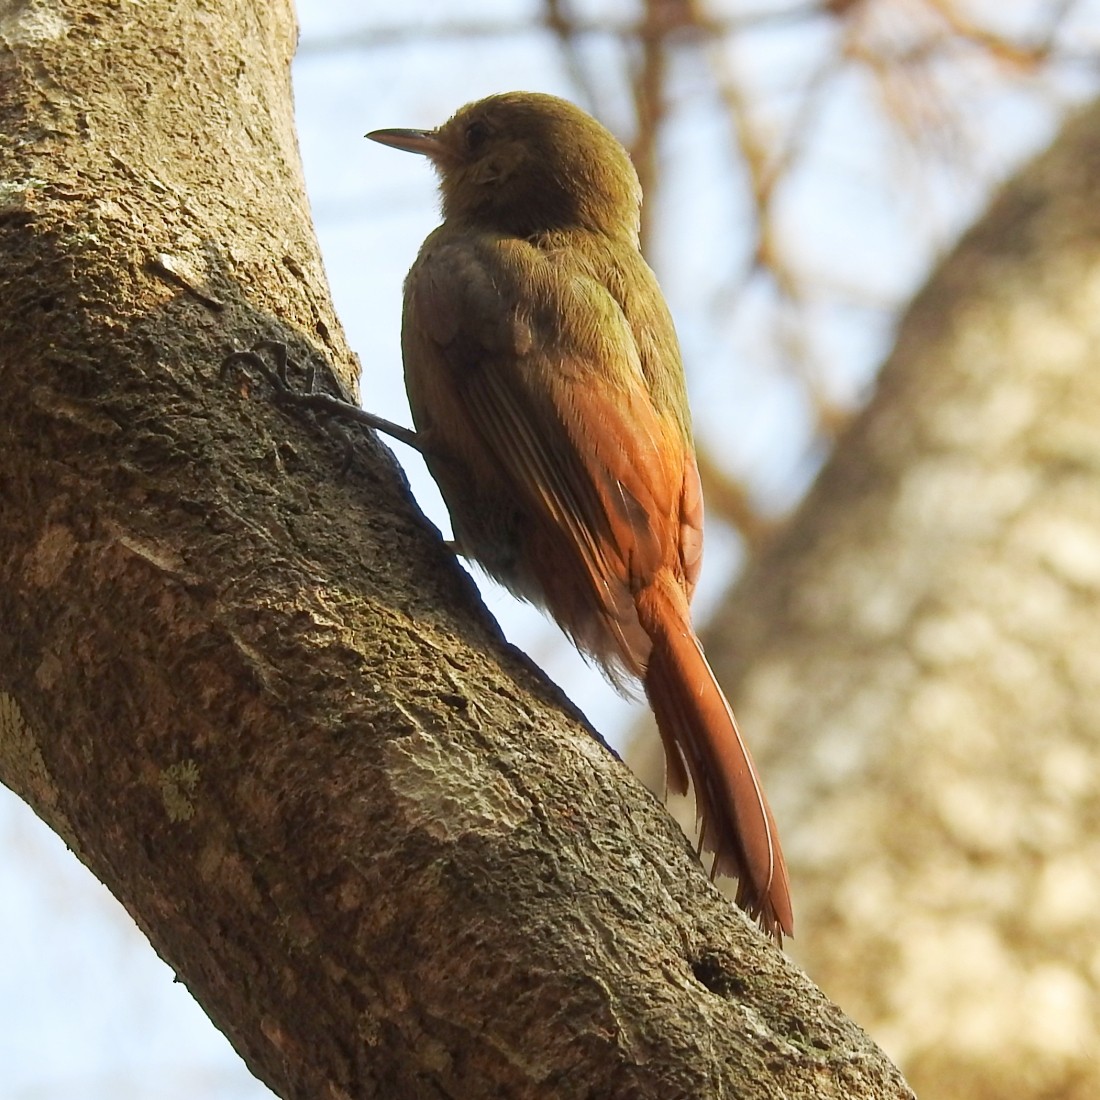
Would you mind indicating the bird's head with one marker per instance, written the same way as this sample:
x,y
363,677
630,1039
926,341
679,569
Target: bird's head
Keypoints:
x,y
526,163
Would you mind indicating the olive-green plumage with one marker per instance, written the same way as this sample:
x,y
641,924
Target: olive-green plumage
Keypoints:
x,y
545,381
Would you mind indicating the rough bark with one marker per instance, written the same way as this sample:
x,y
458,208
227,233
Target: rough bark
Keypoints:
x,y
258,698
918,659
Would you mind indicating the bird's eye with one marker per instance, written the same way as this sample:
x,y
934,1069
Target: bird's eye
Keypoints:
x,y
476,133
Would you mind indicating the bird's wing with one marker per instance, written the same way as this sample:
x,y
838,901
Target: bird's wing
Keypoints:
x,y
550,375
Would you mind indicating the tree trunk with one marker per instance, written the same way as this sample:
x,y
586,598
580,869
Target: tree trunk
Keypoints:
x,y
258,698
918,659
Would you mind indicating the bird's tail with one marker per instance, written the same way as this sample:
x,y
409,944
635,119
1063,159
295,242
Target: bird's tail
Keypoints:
x,y
701,739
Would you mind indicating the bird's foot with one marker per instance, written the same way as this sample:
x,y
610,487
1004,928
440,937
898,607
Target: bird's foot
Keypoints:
x,y
309,397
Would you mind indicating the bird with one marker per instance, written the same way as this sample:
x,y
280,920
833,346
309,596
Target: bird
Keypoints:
x,y
546,387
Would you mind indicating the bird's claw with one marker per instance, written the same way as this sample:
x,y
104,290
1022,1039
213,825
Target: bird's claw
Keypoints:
x,y
277,377
277,374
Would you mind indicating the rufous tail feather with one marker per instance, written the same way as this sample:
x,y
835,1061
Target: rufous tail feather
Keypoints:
x,y
701,739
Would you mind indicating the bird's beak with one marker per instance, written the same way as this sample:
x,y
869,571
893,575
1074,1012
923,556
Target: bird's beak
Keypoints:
x,y
412,141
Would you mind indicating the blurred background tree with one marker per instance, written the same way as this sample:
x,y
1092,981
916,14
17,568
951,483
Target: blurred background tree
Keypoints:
x,y
915,654
921,647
